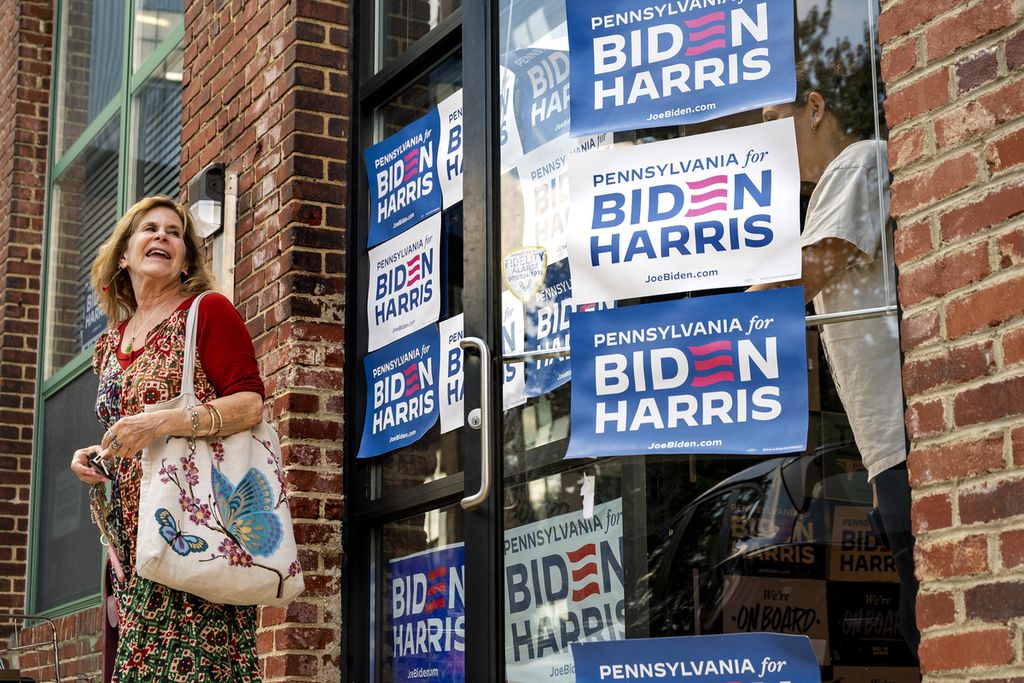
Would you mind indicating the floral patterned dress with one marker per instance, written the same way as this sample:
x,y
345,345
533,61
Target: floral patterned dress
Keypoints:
x,y
164,634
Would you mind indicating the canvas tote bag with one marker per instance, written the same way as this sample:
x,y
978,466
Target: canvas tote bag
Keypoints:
x,y
213,513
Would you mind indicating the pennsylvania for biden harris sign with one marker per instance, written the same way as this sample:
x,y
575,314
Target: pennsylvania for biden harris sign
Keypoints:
x,y
712,374
646,63
716,210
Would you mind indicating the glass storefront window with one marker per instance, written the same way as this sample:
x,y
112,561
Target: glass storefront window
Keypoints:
x,y
89,71
157,138
402,22
84,212
154,20
711,543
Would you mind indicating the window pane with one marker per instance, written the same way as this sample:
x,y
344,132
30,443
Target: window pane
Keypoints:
x,y
423,574
154,21
157,138
90,65
84,214
68,565
403,22
436,455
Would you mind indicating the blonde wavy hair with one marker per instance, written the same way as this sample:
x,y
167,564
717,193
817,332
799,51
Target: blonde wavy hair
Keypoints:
x,y
111,282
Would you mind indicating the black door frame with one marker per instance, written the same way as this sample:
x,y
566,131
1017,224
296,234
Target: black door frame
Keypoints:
x,y
472,29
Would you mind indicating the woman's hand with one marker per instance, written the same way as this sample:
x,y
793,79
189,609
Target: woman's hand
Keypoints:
x,y
83,469
131,434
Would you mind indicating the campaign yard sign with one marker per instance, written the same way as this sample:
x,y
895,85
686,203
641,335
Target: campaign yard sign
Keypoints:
x,y
716,210
427,615
547,328
402,381
564,584
713,374
735,658
404,185
647,63
450,154
544,180
405,284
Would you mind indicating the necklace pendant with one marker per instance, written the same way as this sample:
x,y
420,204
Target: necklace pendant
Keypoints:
x,y
128,349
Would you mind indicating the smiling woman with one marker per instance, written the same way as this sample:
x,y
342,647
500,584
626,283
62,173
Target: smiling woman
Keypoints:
x,y
147,275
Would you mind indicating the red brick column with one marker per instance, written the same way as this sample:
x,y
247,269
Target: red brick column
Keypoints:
x,y
25,55
955,78
266,92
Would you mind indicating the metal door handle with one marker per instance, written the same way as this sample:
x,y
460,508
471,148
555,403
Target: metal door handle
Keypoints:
x,y
470,502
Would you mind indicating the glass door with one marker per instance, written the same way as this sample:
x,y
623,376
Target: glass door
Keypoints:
x,y
422,547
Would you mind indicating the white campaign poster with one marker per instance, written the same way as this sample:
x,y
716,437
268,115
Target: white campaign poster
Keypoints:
x,y
449,156
405,284
544,179
513,340
716,210
563,584
453,383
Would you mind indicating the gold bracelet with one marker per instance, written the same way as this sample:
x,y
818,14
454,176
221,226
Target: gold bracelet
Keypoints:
x,y
216,421
220,419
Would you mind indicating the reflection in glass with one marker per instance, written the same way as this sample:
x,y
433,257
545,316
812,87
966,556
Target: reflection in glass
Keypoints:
x,y
154,21
423,595
83,216
565,570
89,72
157,139
402,22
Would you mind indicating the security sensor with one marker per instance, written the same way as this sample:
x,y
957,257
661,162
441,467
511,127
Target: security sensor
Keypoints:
x,y
206,200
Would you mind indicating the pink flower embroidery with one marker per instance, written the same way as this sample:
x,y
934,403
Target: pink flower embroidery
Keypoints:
x,y
201,514
235,554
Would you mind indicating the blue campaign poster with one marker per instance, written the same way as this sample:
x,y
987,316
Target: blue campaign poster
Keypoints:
x,y
401,380
647,63
547,327
402,172
733,658
427,616
712,374
541,94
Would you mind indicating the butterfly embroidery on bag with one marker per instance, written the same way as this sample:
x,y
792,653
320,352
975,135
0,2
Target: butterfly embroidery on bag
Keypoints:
x,y
246,511
181,543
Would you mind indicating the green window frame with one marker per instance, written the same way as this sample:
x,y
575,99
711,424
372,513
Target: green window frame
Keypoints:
x,y
151,48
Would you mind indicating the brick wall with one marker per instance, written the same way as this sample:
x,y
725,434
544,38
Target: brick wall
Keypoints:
x,y
955,78
24,94
266,92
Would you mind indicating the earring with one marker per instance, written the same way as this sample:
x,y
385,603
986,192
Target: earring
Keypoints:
x,y
112,278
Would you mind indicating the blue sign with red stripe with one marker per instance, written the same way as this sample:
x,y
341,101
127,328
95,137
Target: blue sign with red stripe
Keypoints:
x,y
402,174
427,615
711,374
648,63
402,380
